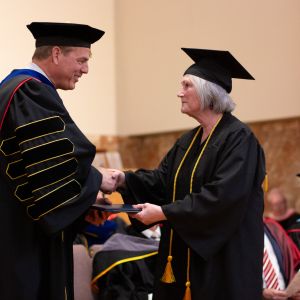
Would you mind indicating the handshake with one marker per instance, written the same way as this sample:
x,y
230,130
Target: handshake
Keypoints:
x,y
111,180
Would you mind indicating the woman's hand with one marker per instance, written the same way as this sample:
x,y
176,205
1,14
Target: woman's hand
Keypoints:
x,y
150,213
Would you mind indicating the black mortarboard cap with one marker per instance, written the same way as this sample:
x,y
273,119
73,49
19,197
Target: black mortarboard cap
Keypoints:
x,y
216,66
64,34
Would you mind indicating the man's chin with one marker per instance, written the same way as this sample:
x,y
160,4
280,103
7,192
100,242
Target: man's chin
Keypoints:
x,y
67,88
71,86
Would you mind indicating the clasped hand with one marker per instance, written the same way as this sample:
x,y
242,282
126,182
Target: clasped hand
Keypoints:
x,y
111,180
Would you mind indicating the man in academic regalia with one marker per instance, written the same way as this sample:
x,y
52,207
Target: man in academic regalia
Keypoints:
x,y
287,217
281,262
207,192
47,183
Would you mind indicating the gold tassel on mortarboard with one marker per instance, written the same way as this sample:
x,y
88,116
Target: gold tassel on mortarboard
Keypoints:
x,y
168,276
187,294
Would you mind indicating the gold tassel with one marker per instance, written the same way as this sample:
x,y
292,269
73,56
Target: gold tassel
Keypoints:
x,y
266,183
168,276
187,294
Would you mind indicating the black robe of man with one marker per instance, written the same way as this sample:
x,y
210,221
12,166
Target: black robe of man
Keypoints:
x,y
221,220
47,184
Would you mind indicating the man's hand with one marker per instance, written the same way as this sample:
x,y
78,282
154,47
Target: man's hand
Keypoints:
x,y
109,180
274,294
296,296
120,177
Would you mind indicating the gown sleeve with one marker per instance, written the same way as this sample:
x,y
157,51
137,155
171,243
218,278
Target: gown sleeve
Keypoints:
x,y
147,185
51,160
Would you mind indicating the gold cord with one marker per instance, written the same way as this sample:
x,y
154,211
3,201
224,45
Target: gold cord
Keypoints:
x,y
187,295
168,276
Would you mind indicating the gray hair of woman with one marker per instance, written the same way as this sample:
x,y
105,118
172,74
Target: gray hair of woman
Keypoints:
x,y
212,96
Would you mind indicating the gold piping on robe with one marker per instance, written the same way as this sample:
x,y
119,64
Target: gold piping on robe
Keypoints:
x,y
9,146
20,193
60,201
18,167
47,126
44,146
94,280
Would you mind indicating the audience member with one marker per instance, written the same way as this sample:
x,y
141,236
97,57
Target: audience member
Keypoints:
x,y
124,268
281,261
279,210
287,217
98,232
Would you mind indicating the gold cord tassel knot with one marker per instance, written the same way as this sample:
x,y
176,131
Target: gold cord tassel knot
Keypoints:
x,y
187,294
168,276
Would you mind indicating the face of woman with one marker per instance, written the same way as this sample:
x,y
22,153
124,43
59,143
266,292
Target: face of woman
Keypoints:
x,y
190,102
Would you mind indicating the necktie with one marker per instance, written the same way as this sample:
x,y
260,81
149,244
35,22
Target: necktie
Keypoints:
x,y
269,273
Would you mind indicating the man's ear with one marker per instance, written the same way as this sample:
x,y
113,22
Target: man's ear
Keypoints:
x,y
56,53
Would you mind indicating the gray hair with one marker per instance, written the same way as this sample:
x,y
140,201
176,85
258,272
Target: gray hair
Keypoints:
x,y
212,95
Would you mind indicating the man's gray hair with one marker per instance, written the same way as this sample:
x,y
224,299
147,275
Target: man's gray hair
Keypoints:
x,y
44,52
212,96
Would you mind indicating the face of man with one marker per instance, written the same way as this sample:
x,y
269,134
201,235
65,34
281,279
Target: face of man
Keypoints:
x,y
190,103
277,203
70,66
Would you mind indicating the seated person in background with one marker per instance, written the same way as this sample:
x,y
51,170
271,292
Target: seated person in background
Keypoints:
x,y
281,261
294,233
99,228
294,230
288,218
279,210
124,268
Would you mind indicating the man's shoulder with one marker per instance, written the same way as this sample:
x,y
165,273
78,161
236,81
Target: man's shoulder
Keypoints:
x,y
12,83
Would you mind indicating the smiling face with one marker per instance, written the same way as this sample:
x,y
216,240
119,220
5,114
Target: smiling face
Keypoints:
x,y
190,101
70,65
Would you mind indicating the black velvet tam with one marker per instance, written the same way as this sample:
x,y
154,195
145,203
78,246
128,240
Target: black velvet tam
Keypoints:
x,y
64,34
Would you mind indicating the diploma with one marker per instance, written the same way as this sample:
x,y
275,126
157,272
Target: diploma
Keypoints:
x,y
116,208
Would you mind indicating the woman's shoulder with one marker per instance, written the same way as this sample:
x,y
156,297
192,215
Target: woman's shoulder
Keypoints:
x,y
185,139
232,123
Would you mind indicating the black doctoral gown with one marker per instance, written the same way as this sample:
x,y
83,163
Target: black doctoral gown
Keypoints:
x,y
47,184
220,221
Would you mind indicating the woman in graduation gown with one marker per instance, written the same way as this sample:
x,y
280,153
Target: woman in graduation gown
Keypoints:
x,y
207,192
